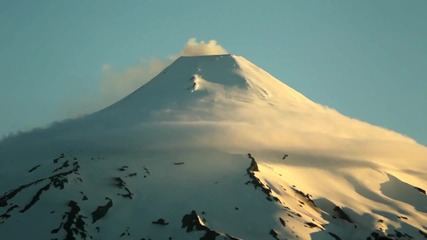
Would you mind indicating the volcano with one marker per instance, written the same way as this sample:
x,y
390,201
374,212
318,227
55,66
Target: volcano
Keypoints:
x,y
213,147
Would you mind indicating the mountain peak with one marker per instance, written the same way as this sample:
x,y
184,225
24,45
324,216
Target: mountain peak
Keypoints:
x,y
191,85
223,76
213,147
208,56
230,88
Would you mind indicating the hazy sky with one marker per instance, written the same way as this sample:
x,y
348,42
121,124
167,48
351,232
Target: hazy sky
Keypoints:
x,y
367,59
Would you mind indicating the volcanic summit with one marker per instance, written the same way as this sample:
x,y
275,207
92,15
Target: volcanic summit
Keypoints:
x,y
213,147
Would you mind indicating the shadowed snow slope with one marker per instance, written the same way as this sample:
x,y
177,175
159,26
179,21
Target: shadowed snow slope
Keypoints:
x,y
213,148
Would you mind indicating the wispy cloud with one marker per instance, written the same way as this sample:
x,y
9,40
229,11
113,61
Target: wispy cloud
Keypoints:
x,y
115,85
118,84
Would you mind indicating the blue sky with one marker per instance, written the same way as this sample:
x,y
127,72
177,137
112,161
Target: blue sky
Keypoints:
x,y
367,59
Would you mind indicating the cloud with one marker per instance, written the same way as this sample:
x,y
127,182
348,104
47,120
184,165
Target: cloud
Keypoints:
x,y
117,84
194,48
106,67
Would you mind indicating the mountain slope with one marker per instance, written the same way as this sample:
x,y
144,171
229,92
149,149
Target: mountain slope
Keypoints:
x,y
213,148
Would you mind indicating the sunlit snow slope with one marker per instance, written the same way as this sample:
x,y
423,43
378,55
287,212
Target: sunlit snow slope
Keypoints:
x,y
213,148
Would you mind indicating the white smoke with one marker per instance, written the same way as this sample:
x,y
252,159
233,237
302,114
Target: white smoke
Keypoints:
x,y
194,48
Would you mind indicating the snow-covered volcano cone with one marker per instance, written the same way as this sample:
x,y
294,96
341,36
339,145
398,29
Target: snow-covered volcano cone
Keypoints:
x,y
213,148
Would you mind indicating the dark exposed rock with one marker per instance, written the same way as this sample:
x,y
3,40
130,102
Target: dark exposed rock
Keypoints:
x,y
421,190
192,222
57,180
60,179
306,196
64,165
126,232
274,234
58,158
282,222
210,235
423,233
384,238
122,185
34,168
74,225
76,167
101,211
119,182
6,215
334,236
254,166
285,156
56,230
379,236
36,197
160,221
398,234
408,236
12,193
84,197
256,181
123,168
146,170
178,163
313,225
131,175
342,214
